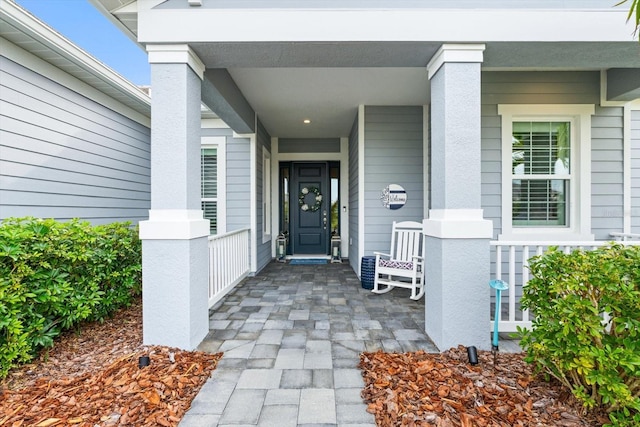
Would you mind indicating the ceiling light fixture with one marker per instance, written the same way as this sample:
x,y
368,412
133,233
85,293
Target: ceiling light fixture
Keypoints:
x,y
306,121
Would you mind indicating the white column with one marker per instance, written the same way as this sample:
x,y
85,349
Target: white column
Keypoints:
x,y
457,236
174,239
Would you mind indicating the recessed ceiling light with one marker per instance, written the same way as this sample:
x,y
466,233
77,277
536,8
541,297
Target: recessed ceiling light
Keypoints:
x,y
306,121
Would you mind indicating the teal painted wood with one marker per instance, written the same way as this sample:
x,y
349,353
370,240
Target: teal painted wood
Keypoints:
x,y
64,156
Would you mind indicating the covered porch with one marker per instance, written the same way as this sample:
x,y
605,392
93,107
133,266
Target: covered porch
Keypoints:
x,y
429,103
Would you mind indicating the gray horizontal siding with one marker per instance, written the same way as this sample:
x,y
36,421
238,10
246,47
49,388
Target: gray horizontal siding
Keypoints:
x,y
607,188
238,194
635,171
555,88
309,145
354,209
263,249
393,155
64,156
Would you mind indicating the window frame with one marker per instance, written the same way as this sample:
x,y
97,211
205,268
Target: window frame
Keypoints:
x,y
579,206
219,143
266,195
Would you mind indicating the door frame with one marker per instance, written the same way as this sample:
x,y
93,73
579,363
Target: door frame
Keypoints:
x,y
342,157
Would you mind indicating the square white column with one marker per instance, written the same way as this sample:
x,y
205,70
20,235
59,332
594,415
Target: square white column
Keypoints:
x,y
175,238
457,237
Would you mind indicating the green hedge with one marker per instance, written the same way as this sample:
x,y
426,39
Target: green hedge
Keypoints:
x,y
570,295
55,275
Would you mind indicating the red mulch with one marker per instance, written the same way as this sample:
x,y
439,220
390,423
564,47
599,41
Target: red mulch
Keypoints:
x,y
444,390
91,378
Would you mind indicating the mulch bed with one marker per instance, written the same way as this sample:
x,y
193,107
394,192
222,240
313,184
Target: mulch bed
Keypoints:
x,y
444,390
92,378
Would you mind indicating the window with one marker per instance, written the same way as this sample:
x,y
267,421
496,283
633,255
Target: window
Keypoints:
x,y
541,173
266,195
546,181
212,179
209,186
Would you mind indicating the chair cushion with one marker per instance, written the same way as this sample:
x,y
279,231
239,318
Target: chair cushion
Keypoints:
x,y
400,265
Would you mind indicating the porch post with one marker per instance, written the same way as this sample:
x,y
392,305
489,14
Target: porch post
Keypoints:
x,y
174,239
457,236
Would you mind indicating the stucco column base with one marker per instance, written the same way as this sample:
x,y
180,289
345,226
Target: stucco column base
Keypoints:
x,y
175,278
457,271
175,306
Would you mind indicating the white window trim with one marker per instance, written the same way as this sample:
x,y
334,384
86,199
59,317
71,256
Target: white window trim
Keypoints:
x,y
580,186
266,195
219,143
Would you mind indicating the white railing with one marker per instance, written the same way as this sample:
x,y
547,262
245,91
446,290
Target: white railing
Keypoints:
x,y
228,262
625,237
514,270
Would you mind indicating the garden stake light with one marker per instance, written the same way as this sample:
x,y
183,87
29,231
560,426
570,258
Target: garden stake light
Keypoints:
x,y
499,286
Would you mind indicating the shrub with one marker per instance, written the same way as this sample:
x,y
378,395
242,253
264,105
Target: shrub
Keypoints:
x,y
55,275
586,329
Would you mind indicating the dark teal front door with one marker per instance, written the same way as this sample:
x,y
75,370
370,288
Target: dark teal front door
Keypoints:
x,y
310,209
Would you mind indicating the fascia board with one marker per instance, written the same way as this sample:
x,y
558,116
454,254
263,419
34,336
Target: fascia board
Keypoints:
x,y
452,25
51,39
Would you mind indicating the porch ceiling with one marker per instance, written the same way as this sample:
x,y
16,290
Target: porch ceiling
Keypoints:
x,y
325,82
325,77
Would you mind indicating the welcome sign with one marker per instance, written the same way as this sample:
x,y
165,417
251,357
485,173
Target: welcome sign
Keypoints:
x,y
393,196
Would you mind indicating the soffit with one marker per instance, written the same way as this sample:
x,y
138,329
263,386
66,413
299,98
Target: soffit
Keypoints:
x,y
30,34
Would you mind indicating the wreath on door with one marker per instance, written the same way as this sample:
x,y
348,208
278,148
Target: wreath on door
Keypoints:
x,y
302,199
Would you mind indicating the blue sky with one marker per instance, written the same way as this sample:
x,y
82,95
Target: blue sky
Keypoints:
x,y
81,23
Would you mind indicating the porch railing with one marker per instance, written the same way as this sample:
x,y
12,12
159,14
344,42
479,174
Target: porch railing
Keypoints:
x,y
511,264
228,262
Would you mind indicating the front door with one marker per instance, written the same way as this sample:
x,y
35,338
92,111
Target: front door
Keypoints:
x,y
310,226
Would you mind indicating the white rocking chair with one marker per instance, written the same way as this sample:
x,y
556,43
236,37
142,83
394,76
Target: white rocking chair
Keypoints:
x,y
404,266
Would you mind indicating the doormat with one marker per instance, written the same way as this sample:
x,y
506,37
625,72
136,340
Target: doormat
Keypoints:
x,y
307,261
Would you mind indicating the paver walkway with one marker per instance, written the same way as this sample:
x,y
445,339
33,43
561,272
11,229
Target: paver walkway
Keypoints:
x,y
292,338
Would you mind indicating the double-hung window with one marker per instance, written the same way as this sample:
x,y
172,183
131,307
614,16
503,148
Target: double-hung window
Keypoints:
x,y
211,183
546,182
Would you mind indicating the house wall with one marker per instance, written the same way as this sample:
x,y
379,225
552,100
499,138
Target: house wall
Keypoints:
x,y
308,145
393,155
635,171
354,196
607,165
263,254
63,155
238,183
237,192
556,88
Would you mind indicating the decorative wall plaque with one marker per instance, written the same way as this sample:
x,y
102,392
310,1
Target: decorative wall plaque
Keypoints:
x,y
393,197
